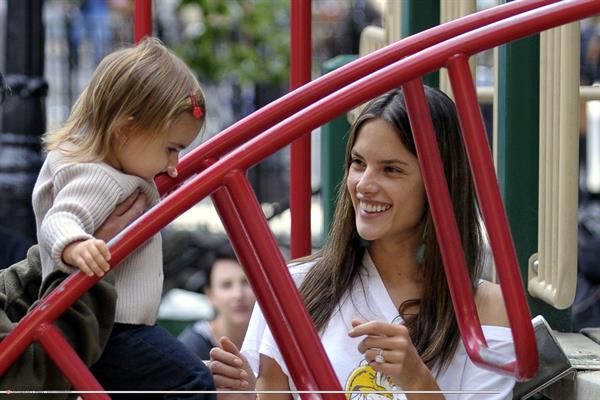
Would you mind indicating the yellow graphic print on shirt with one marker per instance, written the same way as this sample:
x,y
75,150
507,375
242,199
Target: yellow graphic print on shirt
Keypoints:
x,y
365,379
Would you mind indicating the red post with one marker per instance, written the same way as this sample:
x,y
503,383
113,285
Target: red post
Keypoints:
x,y
69,362
300,186
142,19
492,208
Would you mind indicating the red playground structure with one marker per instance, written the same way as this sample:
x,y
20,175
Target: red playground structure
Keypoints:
x,y
217,168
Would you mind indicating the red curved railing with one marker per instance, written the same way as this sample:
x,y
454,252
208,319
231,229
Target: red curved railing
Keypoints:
x,y
302,97
244,221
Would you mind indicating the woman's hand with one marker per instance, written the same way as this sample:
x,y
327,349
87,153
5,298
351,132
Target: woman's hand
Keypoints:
x,y
124,214
389,350
231,371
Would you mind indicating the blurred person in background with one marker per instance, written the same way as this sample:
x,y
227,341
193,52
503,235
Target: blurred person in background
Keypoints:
x,y
231,295
91,21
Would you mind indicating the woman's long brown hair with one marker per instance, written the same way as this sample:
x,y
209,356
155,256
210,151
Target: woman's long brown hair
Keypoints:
x,y
433,330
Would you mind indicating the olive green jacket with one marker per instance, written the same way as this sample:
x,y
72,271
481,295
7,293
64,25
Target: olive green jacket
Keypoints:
x,y
86,324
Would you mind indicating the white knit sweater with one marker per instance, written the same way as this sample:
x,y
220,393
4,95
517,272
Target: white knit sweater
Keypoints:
x,y
71,201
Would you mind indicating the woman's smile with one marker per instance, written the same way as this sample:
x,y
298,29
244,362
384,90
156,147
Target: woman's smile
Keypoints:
x,y
373,208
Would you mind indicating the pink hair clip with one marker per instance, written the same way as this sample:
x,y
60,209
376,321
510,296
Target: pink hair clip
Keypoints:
x,y
196,109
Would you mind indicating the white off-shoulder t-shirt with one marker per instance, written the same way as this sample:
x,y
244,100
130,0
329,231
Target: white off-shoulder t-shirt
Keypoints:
x,y
371,301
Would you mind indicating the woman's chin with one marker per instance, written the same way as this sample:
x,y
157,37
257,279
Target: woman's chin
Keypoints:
x,y
368,235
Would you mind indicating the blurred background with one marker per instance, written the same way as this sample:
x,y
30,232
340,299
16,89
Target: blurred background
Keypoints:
x,y
239,50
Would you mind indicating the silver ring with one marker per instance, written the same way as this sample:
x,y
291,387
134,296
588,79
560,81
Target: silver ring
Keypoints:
x,y
379,357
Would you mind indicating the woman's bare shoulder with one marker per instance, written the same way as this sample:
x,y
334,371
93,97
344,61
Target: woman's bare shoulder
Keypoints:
x,y
490,305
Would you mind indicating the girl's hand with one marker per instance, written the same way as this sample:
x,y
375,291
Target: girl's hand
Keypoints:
x,y
231,371
90,256
389,350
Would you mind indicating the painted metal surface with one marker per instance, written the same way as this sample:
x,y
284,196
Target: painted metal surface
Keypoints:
x,y
142,19
300,165
278,110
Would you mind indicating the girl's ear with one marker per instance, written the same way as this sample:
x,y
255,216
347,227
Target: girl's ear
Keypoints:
x,y
121,135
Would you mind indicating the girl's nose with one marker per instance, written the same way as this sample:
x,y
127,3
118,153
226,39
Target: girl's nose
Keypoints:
x,y
172,165
172,171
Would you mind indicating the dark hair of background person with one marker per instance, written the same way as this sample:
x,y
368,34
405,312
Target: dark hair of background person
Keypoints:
x,y
222,252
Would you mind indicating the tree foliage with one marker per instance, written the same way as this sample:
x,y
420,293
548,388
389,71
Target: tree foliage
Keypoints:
x,y
247,40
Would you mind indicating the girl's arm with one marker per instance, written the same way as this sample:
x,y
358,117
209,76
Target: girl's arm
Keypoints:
x,y
85,195
272,378
92,255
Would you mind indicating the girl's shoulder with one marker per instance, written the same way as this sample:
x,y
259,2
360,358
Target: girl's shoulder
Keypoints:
x,y
490,305
61,164
64,169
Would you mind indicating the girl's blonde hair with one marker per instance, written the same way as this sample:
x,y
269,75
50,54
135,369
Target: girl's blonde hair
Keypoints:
x,y
142,88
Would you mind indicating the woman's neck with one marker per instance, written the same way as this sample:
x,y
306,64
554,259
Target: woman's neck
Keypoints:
x,y
399,271
396,262
220,328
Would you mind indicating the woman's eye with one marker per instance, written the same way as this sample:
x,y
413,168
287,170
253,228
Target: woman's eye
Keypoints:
x,y
172,150
226,285
393,170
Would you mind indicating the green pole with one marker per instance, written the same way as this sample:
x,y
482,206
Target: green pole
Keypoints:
x,y
518,155
333,146
417,16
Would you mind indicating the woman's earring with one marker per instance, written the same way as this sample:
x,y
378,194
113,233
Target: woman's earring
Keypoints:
x,y
420,253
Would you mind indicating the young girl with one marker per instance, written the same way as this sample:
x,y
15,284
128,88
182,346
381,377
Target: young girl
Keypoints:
x,y
141,108
377,293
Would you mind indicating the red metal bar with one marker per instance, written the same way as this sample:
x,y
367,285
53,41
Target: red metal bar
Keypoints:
x,y
310,117
450,245
490,200
69,362
440,204
300,98
300,185
303,352
142,19
261,285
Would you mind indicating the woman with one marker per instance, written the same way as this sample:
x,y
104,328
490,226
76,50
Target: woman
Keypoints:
x,y
231,295
377,292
